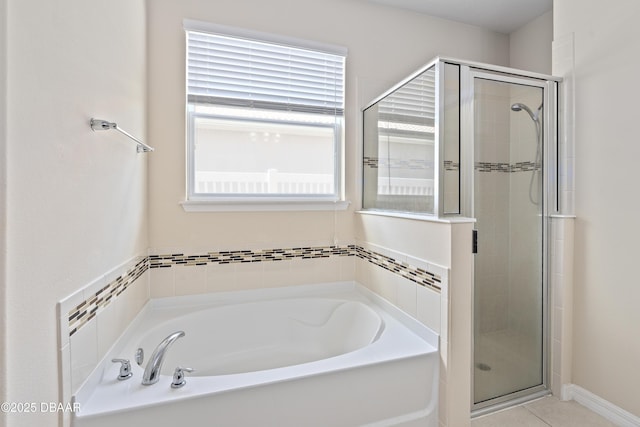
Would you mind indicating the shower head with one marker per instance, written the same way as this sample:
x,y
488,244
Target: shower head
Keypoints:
x,y
519,107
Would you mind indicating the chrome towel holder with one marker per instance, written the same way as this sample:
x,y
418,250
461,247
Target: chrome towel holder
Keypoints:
x,y
98,124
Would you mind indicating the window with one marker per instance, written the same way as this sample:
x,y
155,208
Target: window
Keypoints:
x,y
265,117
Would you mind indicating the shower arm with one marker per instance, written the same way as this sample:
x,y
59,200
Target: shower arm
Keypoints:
x,y
97,124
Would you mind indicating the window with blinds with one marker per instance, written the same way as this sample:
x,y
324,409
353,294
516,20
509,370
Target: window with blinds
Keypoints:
x,y
265,117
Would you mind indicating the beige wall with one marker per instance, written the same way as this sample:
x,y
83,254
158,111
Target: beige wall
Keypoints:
x,y
530,46
385,45
606,293
76,200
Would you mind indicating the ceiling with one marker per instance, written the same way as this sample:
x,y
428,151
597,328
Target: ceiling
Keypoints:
x,y
503,16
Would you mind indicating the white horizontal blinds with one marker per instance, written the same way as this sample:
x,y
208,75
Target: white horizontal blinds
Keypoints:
x,y
226,70
412,103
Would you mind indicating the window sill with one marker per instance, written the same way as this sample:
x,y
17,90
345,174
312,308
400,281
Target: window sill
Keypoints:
x,y
419,217
262,205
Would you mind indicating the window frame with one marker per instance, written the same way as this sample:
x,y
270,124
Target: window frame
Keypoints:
x,y
197,201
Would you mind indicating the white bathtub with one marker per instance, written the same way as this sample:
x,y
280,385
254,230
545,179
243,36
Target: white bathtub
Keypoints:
x,y
317,355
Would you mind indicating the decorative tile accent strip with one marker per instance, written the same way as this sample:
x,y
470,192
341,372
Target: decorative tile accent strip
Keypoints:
x,y
450,165
492,167
372,162
416,275
416,164
525,167
246,256
506,167
89,308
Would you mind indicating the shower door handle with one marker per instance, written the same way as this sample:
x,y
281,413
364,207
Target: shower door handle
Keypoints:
x,y
474,242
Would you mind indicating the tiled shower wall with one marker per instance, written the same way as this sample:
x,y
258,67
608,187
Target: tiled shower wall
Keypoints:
x,y
505,163
492,173
91,320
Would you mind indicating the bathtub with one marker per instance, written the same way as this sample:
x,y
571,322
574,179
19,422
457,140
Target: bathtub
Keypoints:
x,y
315,355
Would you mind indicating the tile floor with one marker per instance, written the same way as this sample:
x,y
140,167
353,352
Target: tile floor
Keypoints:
x,y
545,412
510,362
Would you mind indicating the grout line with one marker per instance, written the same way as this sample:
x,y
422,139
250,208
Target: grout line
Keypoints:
x,y
524,405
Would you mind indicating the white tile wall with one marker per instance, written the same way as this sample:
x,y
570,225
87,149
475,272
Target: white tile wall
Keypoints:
x,y
562,232
425,304
429,308
80,353
220,277
83,348
563,53
191,280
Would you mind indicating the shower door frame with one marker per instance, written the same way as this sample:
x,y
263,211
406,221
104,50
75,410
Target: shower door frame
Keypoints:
x,y
549,86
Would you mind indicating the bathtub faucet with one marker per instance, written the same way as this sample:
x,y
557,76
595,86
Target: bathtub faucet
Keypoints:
x,y
152,371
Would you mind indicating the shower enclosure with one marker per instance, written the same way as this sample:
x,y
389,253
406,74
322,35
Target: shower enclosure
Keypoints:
x,y
474,140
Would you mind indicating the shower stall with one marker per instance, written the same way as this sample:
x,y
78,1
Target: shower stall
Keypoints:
x,y
462,139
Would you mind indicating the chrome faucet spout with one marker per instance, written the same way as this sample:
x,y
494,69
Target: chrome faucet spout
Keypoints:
x,y
152,371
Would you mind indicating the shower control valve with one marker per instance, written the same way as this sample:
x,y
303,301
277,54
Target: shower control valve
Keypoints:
x,y
178,377
125,369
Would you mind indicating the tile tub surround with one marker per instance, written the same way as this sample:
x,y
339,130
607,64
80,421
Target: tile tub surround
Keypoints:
x,y
91,319
88,308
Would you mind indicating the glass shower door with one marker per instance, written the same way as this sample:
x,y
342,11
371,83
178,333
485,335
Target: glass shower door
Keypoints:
x,y
507,202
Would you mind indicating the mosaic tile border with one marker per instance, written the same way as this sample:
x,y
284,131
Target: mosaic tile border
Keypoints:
x,y
371,162
247,256
415,164
507,167
87,310
450,165
375,163
416,275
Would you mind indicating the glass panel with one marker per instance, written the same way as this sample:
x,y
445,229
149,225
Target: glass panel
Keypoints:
x,y
451,145
398,156
508,324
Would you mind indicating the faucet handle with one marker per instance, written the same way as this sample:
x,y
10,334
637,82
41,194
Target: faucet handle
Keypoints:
x,y
125,369
178,377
